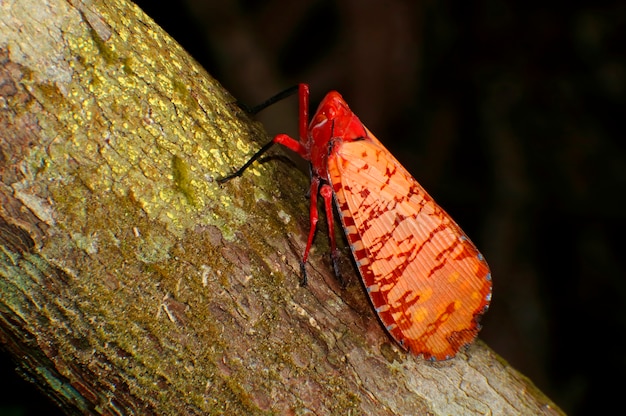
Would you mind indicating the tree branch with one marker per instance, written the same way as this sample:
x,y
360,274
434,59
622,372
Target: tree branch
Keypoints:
x,y
131,282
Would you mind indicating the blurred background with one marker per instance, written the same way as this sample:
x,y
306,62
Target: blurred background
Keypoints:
x,y
511,115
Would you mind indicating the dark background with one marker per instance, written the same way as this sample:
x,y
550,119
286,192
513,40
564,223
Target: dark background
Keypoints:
x,y
511,114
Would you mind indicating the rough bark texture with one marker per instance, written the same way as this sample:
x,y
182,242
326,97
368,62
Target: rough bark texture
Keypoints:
x,y
130,282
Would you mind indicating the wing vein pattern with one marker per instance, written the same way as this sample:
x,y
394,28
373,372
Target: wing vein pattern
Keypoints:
x,y
425,278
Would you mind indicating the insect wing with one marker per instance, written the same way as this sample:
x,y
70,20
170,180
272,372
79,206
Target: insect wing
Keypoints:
x,y
426,280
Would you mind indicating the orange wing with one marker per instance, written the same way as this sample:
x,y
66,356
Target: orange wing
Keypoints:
x,y
427,281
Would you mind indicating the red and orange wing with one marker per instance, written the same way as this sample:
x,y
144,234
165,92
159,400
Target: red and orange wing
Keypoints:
x,y
426,280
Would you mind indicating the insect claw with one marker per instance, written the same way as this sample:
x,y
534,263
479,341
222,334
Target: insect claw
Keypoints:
x,y
240,171
303,282
224,179
334,259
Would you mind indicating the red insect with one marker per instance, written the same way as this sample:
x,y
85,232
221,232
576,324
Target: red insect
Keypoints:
x,y
426,280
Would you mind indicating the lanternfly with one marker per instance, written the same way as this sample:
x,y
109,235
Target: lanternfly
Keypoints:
x,y
426,280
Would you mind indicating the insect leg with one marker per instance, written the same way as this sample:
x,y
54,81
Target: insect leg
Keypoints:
x,y
283,139
245,166
313,217
327,193
303,119
273,100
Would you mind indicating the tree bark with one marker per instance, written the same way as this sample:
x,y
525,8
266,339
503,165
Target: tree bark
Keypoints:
x,y
131,282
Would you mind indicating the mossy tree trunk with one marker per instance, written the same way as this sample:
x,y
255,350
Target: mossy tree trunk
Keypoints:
x,y
131,282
